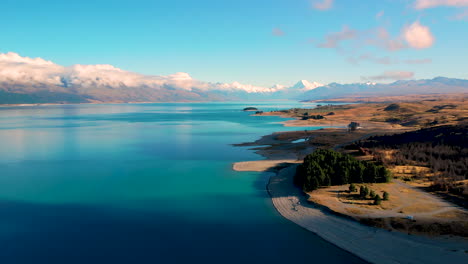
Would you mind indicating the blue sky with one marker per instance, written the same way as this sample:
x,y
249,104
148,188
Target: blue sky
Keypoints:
x,y
256,42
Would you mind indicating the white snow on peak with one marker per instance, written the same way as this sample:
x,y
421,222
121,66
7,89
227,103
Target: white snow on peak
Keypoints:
x,y
306,85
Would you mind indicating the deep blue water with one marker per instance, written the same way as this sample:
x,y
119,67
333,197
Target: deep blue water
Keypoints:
x,y
142,183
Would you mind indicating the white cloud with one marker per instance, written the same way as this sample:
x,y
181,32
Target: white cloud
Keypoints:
x,y
418,36
423,4
391,75
418,61
382,38
322,4
334,39
378,37
15,69
16,58
244,87
277,87
101,75
349,41
24,70
305,85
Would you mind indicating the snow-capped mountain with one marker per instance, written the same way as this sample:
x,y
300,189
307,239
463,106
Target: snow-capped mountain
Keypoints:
x,y
304,85
276,92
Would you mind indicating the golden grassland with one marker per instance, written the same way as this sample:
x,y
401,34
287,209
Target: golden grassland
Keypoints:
x,y
404,114
410,208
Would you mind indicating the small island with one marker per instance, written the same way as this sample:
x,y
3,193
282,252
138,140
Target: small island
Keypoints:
x,y
250,109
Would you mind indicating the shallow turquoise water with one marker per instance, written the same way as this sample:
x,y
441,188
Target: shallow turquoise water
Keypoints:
x,y
142,183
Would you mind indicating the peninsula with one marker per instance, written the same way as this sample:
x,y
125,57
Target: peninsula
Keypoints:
x,y
423,217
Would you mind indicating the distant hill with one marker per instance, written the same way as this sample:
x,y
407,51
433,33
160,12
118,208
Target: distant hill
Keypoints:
x,y
439,85
56,94
41,97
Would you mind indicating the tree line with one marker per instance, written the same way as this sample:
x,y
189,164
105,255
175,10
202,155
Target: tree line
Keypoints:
x,y
443,149
326,167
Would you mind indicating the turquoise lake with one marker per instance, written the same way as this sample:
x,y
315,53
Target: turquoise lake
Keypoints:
x,y
143,183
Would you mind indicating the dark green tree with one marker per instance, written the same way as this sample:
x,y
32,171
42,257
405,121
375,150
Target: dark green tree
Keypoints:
x,y
363,191
383,174
326,180
377,200
327,167
386,196
366,191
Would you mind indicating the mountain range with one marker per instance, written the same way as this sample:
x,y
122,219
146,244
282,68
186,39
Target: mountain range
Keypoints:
x,y
35,80
438,85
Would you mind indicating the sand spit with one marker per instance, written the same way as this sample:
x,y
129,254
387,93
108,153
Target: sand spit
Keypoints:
x,y
261,165
372,244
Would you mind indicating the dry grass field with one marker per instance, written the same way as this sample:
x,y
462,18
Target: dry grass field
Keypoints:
x,y
402,114
410,208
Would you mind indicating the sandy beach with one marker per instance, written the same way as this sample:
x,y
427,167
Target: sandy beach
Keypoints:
x,y
372,244
263,165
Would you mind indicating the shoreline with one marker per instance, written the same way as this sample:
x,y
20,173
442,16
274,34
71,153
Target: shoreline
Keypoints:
x,y
137,102
372,244
94,103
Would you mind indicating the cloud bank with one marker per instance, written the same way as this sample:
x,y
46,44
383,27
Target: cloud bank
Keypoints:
x,y
415,36
334,39
18,70
14,68
391,76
